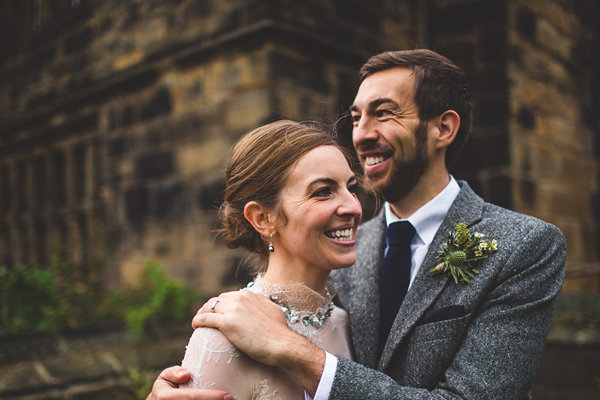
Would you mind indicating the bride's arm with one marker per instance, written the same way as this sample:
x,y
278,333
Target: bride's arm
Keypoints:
x,y
257,327
215,363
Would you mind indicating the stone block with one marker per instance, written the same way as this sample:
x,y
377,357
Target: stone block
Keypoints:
x,y
526,23
490,150
78,368
137,204
500,191
458,17
527,192
210,196
118,146
162,354
563,131
462,52
578,171
155,164
171,201
545,162
160,103
493,46
246,111
553,40
493,112
357,14
489,80
591,240
199,9
526,118
569,203
570,370
196,158
308,74
130,271
23,377
492,12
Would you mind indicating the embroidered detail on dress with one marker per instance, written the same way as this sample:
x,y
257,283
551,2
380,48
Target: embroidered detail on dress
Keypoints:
x,y
260,391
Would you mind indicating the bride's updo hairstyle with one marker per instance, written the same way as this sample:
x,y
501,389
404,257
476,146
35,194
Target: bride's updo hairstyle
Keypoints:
x,y
258,170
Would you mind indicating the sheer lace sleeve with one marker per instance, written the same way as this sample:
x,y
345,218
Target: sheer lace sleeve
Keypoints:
x,y
215,363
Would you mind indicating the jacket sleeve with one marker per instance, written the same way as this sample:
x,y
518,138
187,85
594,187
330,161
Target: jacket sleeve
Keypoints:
x,y
504,341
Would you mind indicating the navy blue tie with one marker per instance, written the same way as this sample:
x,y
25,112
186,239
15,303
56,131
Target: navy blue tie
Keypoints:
x,y
395,273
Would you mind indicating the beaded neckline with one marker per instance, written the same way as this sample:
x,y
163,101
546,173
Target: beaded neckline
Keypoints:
x,y
299,303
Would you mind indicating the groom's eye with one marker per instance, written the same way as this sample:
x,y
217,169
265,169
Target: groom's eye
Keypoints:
x,y
383,113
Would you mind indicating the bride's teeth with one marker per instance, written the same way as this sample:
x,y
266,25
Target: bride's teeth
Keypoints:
x,y
344,235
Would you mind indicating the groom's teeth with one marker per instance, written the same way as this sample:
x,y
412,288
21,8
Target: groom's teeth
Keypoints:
x,y
344,235
374,160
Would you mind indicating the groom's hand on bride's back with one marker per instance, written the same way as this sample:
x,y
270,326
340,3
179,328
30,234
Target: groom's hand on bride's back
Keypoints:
x,y
166,387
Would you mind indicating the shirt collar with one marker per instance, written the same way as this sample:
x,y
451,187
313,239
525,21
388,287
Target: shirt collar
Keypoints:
x,y
430,216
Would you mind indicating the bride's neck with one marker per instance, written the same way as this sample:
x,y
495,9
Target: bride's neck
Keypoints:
x,y
314,278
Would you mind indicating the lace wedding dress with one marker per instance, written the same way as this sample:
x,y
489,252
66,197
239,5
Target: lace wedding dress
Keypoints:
x,y
215,363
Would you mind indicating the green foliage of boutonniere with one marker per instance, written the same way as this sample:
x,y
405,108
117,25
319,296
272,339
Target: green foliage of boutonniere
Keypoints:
x,y
461,249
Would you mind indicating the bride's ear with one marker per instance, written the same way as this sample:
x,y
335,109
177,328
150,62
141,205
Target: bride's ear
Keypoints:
x,y
259,217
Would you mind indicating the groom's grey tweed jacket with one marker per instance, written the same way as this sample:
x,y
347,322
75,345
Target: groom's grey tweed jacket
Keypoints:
x,y
493,351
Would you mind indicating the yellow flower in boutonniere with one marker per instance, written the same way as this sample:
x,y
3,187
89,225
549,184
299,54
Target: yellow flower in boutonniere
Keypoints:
x,y
461,249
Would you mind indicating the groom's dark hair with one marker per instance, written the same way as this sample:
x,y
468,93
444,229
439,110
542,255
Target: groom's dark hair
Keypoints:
x,y
439,86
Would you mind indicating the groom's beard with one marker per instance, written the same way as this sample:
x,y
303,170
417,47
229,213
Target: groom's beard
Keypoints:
x,y
406,174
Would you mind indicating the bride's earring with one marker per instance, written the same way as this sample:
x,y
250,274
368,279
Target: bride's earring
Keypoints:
x,y
271,248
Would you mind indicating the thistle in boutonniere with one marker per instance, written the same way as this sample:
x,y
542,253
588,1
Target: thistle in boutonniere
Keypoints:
x,y
461,249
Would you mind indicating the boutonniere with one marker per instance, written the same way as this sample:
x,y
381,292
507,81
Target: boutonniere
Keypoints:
x,y
461,249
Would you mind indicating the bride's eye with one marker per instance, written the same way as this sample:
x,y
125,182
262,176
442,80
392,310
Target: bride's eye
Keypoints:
x,y
353,188
322,192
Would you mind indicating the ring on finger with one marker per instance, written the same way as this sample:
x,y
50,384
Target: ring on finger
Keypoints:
x,y
214,305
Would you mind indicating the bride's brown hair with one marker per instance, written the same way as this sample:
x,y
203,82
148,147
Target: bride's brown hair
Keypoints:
x,y
258,171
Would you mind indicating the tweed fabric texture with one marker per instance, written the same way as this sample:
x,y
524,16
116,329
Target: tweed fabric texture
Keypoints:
x,y
491,352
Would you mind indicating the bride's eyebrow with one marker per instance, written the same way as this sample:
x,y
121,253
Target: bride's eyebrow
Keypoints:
x,y
328,181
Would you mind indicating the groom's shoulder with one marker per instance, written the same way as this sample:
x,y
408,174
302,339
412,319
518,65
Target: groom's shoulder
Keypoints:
x,y
512,222
518,224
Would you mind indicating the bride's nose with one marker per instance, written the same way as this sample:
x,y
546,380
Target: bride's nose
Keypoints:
x,y
350,206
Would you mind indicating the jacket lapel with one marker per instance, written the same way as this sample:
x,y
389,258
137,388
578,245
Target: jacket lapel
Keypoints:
x,y
365,290
467,207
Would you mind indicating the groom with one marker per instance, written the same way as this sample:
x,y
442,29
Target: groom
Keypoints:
x,y
411,115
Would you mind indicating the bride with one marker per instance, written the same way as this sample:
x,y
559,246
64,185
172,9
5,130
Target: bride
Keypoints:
x,y
290,197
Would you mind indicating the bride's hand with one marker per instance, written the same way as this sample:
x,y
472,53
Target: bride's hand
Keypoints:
x,y
252,322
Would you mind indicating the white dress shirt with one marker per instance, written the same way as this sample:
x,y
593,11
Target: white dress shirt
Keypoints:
x,y
427,221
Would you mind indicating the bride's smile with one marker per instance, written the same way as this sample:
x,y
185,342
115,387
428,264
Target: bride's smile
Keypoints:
x,y
318,215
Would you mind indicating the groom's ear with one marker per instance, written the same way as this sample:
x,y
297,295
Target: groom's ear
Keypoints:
x,y
447,125
260,218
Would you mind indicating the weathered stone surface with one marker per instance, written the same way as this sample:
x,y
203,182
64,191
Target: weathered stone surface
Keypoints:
x,y
87,366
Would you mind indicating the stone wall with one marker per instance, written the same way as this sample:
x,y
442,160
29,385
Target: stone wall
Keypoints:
x,y
554,125
116,117
535,148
